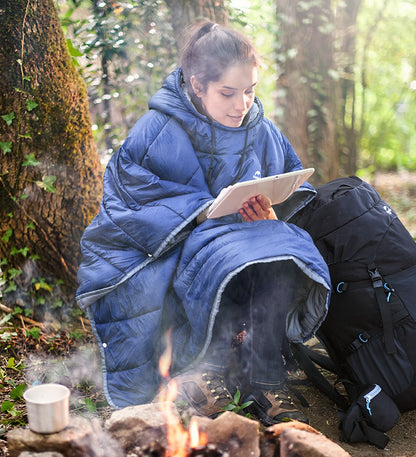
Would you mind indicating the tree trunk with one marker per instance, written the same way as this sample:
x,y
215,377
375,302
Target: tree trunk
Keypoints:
x,y
346,21
306,88
187,12
45,132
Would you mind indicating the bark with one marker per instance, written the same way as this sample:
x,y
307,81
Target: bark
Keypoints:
x,y
37,68
306,90
184,13
346,21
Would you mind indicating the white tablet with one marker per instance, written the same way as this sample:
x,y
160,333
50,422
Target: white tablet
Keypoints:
x,y
278,188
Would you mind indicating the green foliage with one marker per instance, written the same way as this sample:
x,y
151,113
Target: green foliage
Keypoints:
x,y
257,19
33,332
11,413
387,54
235,406
47,183
8,118
125,50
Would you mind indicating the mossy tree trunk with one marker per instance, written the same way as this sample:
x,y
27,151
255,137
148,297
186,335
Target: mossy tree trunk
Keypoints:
x,y
50,176
306,85
187,12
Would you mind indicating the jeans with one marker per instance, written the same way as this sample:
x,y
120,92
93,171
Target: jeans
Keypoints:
x,y
249,336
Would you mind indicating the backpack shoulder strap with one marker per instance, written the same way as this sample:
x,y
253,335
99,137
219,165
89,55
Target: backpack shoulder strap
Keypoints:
x,y
306,358
385,311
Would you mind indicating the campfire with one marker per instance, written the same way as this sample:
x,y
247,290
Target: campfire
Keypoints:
x,y
181,442
156,430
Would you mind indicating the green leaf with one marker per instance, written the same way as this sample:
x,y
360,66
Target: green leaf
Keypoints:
x,y
12,287
17,392
41,284
90,405
10,363
15,251
229,407
25,135
6,406
6,146
7,235
8,118
58,303
247,403
30,225
237,397
47,183
34,332
73,51
5,319
13,272
30,105
30,160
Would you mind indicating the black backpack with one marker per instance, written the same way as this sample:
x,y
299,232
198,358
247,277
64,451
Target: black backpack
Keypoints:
x,y
370,330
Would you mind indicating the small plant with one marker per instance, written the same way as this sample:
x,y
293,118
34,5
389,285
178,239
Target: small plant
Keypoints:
x,y
235,407
33,332
11,413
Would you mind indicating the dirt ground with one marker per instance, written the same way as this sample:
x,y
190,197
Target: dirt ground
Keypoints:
x,y
323,416
75,362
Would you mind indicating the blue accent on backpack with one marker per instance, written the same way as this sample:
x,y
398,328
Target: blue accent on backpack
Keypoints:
x,y
370,330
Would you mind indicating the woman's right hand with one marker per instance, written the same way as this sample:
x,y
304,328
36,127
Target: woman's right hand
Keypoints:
x,y
257,208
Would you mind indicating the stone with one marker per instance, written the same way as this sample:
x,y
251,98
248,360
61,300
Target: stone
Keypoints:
x,y
137,426
270,438
231,433
81,438
268,447
40,454
300,443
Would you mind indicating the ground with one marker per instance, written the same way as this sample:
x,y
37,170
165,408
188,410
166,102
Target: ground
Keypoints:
x,y
72,360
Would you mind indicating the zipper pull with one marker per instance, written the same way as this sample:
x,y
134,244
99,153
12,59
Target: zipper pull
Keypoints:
x,y
368,397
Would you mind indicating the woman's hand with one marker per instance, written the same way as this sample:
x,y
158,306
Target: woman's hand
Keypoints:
x,y
257,208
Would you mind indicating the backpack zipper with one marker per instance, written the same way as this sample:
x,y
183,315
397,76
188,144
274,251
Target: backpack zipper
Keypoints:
x,y
368,397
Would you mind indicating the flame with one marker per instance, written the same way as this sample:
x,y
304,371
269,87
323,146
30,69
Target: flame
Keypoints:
x,y
166,358
196,439
179,439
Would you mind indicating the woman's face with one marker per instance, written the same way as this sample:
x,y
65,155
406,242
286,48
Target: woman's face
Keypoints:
x,y
228,100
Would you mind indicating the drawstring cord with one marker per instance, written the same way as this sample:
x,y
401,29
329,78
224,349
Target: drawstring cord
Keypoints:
x,y
213,147
243,158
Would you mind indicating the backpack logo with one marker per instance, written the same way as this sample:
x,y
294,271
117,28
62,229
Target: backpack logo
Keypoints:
x,y
257,175
388,210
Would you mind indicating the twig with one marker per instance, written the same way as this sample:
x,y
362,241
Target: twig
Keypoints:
x,y
6,309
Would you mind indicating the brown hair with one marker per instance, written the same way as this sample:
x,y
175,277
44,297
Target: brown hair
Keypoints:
x,y
211,50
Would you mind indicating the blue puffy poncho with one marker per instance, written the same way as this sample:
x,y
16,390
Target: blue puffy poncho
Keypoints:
x,y
148,266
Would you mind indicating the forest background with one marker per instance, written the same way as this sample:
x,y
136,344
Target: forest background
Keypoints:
x,y
337,77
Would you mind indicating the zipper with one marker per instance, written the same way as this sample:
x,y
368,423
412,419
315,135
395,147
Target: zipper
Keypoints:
x,y
368,397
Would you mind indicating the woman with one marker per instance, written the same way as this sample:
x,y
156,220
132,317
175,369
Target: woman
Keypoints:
x,y
229,289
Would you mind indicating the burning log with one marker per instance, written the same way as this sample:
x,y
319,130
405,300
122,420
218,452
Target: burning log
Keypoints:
x,y
277,429
210,450
234,435
155,449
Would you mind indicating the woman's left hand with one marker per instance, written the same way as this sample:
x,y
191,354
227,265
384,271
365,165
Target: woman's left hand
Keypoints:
x,y
257,208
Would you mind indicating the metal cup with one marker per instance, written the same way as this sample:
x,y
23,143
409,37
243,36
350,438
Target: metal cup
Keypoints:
x,y
47,407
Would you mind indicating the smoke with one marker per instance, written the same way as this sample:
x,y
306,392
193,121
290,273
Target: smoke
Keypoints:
x,y
80,372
